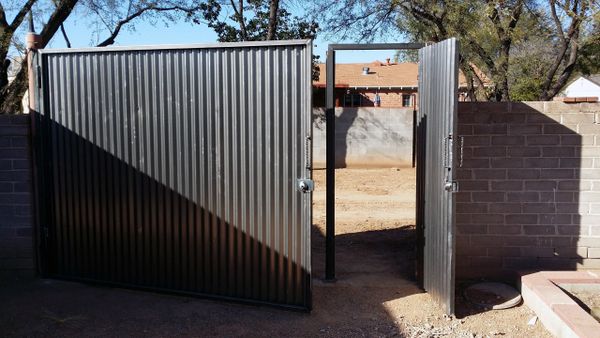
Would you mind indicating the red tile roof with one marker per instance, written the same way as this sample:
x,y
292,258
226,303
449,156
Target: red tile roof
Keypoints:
x,y
380,75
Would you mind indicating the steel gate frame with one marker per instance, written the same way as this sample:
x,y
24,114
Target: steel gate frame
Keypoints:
x,y
63,192
330,141
426,266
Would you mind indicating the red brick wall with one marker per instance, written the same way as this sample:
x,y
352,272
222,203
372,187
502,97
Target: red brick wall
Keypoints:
x,y
390,98
529,188
16,220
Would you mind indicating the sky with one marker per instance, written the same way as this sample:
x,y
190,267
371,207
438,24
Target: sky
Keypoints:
x,y
79,32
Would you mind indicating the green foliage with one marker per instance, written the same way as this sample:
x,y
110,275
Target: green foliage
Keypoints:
x,y
589,58
406,56
255,19
510,49
251,23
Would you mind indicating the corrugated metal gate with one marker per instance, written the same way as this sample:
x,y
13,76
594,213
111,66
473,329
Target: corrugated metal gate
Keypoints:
x,y
436,131
176,168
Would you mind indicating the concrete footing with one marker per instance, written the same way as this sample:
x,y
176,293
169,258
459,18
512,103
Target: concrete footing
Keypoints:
x,y
559,313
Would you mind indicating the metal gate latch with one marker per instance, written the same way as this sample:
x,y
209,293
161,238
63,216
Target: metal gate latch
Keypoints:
x,y
451,186
305,185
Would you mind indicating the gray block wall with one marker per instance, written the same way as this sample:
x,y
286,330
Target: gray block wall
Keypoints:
x,y
529,188
366,137
17,256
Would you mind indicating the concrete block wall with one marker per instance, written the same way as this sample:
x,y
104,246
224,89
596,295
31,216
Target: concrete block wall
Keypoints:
x,y
529,188
366,137
17,256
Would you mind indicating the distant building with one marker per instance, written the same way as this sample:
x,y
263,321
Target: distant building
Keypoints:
x,y
582,87
14,68
382,84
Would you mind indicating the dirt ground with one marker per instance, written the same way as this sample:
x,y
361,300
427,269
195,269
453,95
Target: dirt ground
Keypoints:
x,y
375,294
589,300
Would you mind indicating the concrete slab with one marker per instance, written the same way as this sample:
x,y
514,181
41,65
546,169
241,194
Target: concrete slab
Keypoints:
x,y
555,309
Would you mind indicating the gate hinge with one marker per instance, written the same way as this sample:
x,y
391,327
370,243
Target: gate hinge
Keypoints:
x,y
38,73
305,185
308,152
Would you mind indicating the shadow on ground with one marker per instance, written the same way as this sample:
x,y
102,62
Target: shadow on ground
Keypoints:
x,y
375,267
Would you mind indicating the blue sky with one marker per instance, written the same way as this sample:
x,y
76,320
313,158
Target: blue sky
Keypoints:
x,y
80,32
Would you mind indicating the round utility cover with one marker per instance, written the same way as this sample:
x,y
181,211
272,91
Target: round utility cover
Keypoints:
x,y
491,295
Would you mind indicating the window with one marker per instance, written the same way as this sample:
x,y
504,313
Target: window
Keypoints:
x,y
347,100
356,100
406,100
352,100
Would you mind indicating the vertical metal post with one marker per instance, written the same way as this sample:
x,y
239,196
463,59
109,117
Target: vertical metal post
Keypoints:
x,y
414,135
330,168
33,42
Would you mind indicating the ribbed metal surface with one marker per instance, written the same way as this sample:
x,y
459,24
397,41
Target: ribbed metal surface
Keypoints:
x,y
438,96
175,169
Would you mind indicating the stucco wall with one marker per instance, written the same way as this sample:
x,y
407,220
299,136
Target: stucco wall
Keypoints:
x,y
582,87
366,137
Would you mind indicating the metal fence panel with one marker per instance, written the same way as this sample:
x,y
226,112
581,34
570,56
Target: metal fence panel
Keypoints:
x,y
438,96
175,168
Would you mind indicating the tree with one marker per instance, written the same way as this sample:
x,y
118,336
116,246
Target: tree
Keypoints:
x,y
256,20
12,94
253,20
490,32
531,58
113,14
569,19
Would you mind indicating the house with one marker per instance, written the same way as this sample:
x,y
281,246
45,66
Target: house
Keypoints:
x,y
375,84
582,87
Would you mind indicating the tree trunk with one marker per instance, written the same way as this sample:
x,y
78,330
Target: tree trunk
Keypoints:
x,y
273,10
503,70
12,96
570,44
548,94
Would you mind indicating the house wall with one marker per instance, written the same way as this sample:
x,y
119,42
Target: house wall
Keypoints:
x,y
16,218
390,98
366,137
582,87
529,188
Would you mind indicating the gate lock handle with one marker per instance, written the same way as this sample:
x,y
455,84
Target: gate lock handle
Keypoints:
x,y
451,186
305,185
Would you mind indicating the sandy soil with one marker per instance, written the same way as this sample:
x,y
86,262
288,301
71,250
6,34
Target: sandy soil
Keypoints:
x,y
589,300
375,295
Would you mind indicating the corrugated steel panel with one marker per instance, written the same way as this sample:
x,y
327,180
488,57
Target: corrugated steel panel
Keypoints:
x,y
175,168
438,96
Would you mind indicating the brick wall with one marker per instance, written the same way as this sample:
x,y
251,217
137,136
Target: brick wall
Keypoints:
x,y
16,220
529,188
390,98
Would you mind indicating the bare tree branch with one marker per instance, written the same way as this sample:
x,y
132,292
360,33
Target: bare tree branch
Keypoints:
x,y
151,8
13,93
569,41
239,15
557,23
64,34
3,22
21,15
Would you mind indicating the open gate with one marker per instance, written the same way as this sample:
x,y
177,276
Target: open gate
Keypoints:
x,y
436,160
182,169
